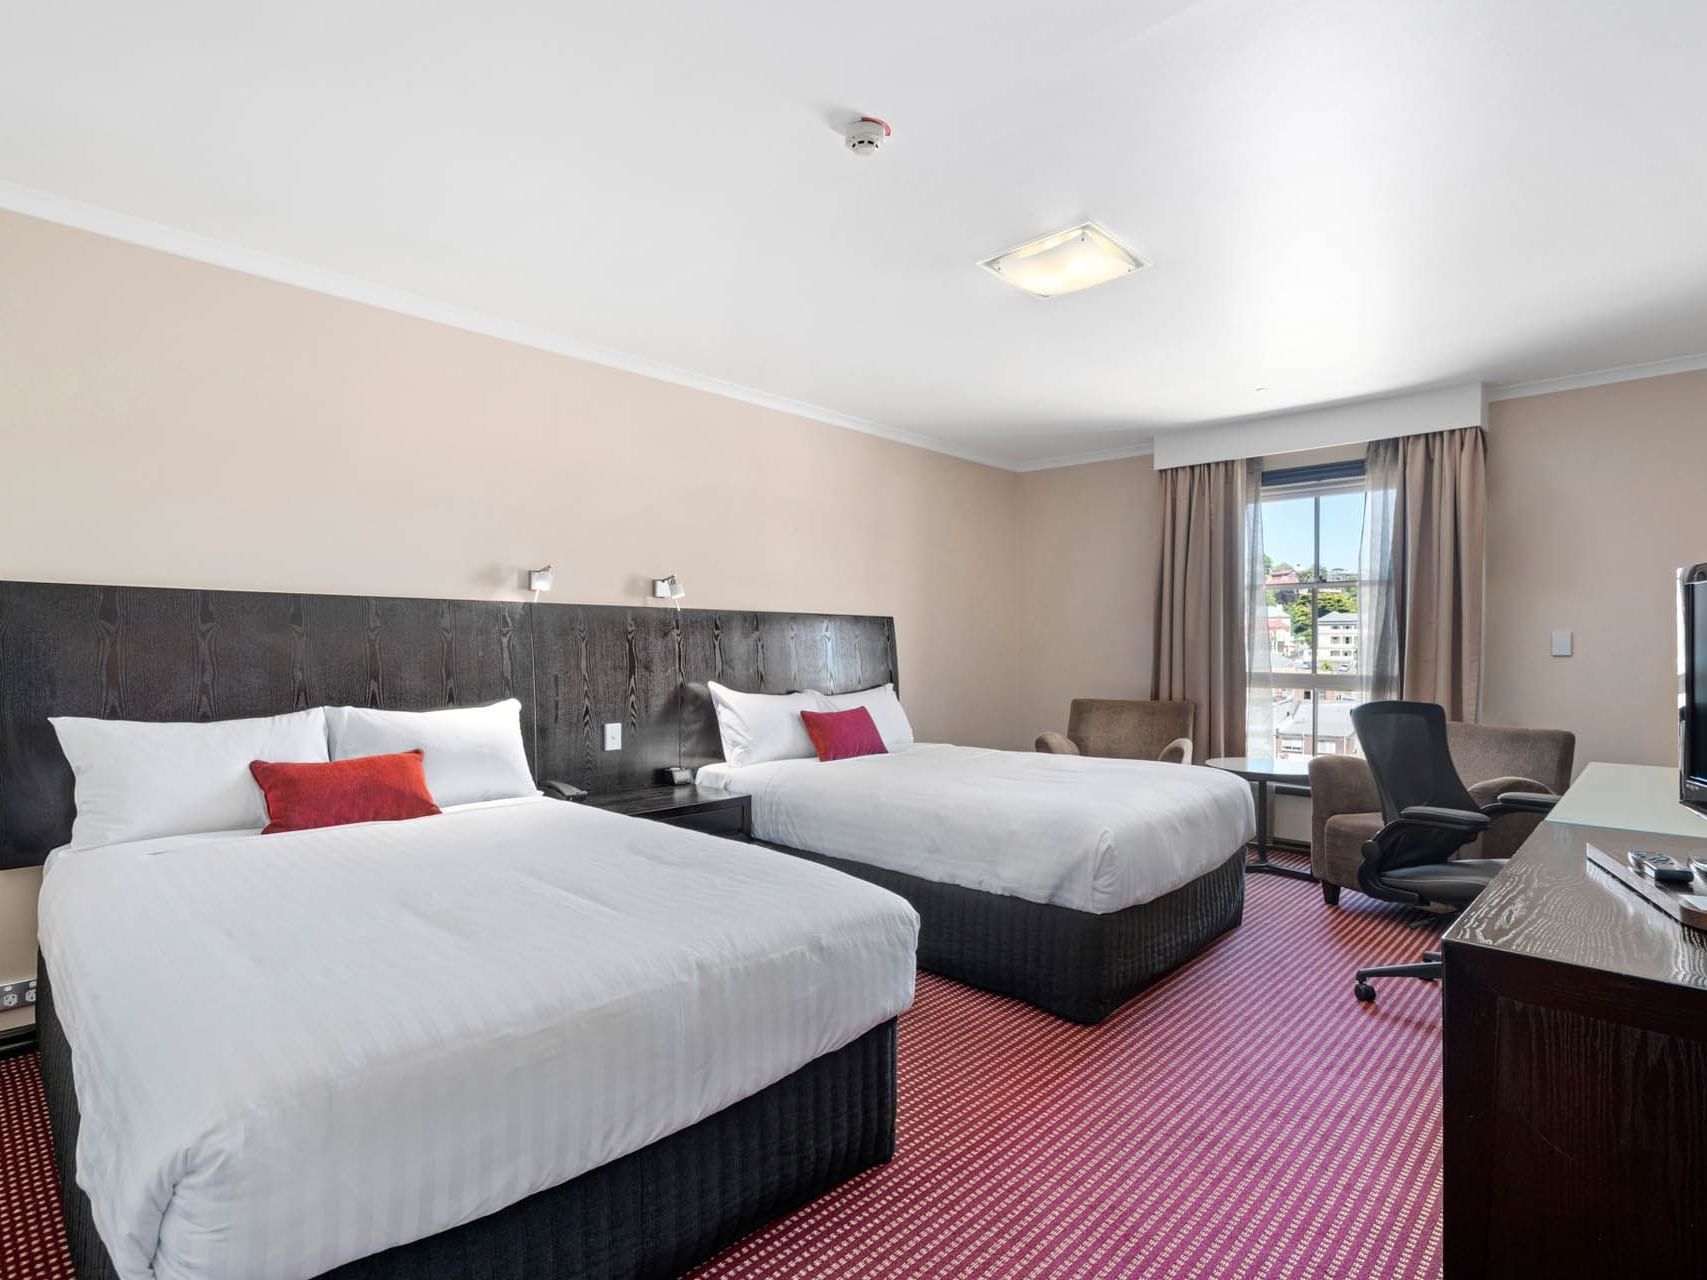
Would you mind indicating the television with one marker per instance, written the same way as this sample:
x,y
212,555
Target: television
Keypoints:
x,y
1692,685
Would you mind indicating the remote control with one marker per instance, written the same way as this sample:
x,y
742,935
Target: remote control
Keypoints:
x,y
1661,866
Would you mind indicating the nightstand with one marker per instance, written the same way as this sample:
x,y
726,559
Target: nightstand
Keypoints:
x,y
717,813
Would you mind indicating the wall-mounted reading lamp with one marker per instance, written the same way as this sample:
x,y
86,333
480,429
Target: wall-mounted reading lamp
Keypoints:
x,y
669,588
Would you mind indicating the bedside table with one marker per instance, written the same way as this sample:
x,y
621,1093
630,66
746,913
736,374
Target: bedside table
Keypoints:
x,y
717,813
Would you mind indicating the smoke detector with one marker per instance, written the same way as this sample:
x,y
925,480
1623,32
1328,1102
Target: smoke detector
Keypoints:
x,y
867,134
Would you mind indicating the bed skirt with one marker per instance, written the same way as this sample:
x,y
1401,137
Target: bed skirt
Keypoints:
x,y
1078,965
654,1213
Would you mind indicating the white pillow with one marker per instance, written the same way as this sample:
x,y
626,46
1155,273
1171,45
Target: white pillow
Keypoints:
x,y
886,713
757,727
137,779
467,753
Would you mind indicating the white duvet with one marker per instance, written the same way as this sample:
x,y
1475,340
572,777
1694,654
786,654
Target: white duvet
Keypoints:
x,y
299,1049
1076,831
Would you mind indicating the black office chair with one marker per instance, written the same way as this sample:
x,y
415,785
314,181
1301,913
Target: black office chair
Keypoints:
x,y
1430,815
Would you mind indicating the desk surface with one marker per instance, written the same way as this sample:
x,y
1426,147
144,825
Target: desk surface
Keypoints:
x,y
1550,904
1631,797
1262,768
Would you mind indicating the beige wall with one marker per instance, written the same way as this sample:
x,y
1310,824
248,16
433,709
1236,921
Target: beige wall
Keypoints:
x,y
170,423
1086,589
1595,497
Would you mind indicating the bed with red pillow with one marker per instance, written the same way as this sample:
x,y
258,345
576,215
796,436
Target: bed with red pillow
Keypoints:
x,y
399,1025
402,1033
1070,882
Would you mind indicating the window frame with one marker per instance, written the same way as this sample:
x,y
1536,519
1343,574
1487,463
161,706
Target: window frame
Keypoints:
x,y
1315,483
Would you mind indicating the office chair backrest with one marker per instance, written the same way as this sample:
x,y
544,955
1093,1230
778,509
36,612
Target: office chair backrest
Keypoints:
x,y
1406,747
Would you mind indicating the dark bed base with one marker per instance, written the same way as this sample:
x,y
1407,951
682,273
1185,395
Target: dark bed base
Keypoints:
x,y
656,1212
1077,965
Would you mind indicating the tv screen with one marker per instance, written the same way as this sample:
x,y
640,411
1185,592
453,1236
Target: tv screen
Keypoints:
x,y
1692,684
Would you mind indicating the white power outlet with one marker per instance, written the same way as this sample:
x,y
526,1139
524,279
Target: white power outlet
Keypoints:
x,y
18,994
613,737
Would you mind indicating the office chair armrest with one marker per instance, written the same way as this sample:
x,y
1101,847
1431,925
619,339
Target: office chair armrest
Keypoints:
x,y
1176,752
1428,815
1057,744
1520,802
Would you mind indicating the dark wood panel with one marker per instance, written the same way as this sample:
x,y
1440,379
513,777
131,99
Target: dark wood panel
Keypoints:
x,y
711,650
647,669
165,654
608,665
140,653
58,655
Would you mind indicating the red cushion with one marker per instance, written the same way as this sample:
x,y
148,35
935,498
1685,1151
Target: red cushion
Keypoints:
x,y
841,735
365,789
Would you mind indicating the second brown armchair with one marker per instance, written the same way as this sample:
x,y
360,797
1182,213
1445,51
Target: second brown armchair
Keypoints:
x,y
1126,730
1346,807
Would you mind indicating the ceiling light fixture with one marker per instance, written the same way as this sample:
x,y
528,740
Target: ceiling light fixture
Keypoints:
x,y
1065,261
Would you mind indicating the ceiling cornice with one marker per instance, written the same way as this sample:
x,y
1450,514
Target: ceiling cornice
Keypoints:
x,y
1141,450
187,244
1599,377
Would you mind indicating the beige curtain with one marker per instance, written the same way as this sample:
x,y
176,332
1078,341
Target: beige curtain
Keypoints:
x,y
1210,541
1423,544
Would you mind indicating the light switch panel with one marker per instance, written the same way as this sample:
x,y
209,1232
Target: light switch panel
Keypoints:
x,y
613,737
1561,644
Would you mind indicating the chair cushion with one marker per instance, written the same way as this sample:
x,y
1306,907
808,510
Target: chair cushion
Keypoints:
x,y
1456,883
1341,854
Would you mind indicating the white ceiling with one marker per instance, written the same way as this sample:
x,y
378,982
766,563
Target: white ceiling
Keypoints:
x,y
1337,198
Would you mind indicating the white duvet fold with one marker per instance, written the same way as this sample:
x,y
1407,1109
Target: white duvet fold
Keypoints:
x,y
295,1050
1083,832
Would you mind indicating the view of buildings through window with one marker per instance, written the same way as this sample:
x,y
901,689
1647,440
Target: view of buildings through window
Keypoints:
x,y
1312,536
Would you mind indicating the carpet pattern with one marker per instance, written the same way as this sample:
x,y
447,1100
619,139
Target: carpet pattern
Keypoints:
x,y
32,1232
1244,1118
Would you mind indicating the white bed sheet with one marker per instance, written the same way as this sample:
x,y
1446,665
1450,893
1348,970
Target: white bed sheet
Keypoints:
x,y
298,1049
1082,832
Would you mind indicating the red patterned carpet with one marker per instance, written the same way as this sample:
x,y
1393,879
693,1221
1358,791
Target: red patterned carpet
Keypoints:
x,y
1244,1118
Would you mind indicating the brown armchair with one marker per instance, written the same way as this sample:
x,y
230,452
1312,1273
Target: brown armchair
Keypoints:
x,y
1346,808
1125,730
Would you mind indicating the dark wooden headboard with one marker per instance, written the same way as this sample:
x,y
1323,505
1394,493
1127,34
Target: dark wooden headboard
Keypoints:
x,y
145,653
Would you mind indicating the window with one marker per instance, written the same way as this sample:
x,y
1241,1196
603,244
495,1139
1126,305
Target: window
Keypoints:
x,y
1312,532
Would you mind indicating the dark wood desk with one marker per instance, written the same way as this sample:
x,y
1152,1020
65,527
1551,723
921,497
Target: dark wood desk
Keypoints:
x,y
1576,1054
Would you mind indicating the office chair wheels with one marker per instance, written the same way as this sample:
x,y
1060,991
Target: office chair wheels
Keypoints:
x,y
1364,992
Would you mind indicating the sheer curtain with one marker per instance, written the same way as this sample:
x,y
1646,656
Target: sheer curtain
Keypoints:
x,y
1424,534
1210,615
1259,693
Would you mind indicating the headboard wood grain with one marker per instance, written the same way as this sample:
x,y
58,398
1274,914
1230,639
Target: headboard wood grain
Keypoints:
x,y
146,653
